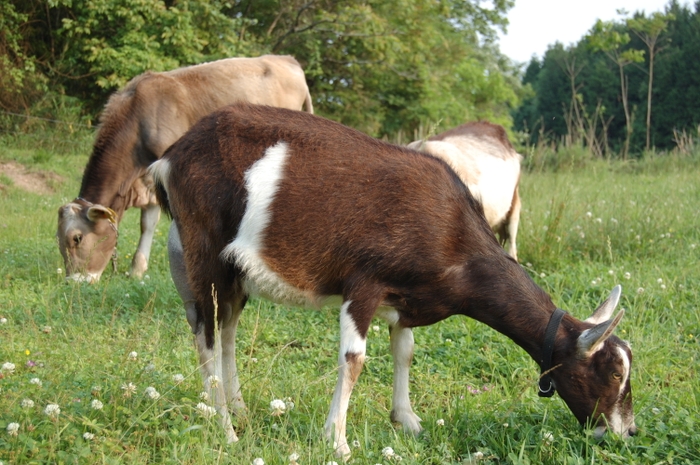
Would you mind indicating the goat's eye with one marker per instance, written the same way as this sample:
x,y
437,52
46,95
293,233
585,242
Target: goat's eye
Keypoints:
x,y
617,376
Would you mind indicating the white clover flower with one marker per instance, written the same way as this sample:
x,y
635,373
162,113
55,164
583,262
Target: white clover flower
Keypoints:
x,y
356,444
129,389
376,328
13,429
205,410
147,277
3,321
582,235
35,381
589,215
88,436
59,271
8,367
331,463
547,437
288,404
95,389
254,359
659,280
278,407
52,411
127,295
258,461
204,396
440,422
478,455
613,220
293,457
627,275
133,355
96,404
152,393
655,411
178,378
388,452
598,220
542,275
663,287
27,403
46,329
692,246
150,367
611,272
213,381
640,290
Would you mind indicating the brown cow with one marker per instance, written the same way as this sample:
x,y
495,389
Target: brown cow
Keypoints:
x,y
137,125
484,159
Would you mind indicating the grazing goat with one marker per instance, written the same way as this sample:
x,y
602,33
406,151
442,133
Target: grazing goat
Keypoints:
x,y
485,160
299,209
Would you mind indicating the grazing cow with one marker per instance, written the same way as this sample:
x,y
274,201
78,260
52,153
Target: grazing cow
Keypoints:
x,y
483,157
299,209
137,125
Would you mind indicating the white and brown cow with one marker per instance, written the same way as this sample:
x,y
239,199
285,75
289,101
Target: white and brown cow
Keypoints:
x,y
485,160
301,210
137,125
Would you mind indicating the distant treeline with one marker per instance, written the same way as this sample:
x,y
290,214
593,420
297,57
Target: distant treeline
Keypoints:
x,y
380,66
580,91
386,67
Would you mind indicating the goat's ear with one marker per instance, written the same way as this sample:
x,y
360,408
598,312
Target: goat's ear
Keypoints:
x,y
590,339
605,311
99,212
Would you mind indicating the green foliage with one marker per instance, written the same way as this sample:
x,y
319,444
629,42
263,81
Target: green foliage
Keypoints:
x,y
379,66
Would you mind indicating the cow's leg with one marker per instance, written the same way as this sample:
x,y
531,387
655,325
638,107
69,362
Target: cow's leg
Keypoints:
x,y
351,358
402,351
232,384
150,214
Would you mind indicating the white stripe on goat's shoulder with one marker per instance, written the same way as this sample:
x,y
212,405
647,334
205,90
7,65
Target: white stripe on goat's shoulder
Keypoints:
x,y
262,181
351,342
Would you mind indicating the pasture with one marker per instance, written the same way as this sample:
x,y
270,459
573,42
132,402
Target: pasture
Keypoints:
x,y
117,357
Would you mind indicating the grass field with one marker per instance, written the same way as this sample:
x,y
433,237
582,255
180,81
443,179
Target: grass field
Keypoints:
x,y
93,350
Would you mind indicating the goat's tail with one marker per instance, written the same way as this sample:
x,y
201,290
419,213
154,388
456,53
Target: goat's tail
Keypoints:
x,y
160,171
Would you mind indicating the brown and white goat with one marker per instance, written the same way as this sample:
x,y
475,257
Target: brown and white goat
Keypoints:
x,y
485,160
299,209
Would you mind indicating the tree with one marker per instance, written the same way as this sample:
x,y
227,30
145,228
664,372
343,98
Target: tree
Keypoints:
x,y
607,37
649,30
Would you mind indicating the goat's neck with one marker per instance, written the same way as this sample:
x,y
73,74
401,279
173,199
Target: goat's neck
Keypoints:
x,y
506,299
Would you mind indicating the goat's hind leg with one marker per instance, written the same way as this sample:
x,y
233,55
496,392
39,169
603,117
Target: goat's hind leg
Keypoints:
x,y
402,351
232,384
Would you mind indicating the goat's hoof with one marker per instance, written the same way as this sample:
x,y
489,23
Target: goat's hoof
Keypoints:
x,y
343,452
408,420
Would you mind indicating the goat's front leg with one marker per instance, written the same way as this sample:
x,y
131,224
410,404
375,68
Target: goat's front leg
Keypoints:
x,y
402,351
150,214
351,358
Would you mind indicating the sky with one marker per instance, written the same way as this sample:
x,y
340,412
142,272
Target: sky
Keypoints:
x,y
536,24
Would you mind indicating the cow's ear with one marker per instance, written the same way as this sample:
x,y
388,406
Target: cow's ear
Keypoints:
x,y
100,212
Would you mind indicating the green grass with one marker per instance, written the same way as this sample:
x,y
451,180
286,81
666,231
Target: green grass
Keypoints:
x,y
76,339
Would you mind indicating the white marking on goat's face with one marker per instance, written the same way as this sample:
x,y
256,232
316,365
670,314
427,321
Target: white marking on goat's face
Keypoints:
x,y
86,245
262,181
597,388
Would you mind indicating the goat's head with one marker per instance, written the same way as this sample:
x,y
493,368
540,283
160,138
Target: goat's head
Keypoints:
x,y
592,373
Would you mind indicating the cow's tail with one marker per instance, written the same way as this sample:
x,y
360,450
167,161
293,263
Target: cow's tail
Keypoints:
x,y
160,171
308,103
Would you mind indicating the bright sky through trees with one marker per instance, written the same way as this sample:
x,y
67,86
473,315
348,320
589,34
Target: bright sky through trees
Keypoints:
x,y
535,24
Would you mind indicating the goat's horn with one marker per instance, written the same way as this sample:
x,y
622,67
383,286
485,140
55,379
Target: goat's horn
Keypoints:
x,y
606,309
589,340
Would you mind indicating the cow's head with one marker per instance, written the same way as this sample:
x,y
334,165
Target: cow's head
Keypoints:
x,y
593,376
87,237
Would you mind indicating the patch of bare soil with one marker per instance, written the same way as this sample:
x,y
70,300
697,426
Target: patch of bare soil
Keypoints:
x,y
37,182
